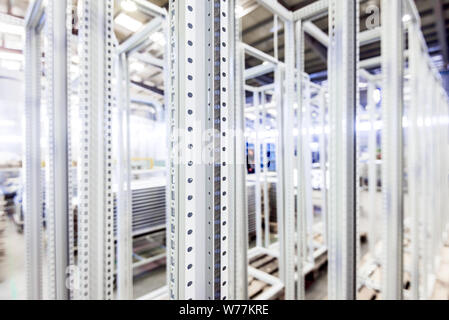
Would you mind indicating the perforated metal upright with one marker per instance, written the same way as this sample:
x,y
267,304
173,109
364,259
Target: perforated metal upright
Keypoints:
x,y
392,166
32,165
201,148
124,201
95,214
288,162
323,161
301,186
240,225
415,58
343,87
57,165
257,170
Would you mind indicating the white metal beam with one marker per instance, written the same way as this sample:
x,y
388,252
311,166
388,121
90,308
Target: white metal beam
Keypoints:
x,y
240,267
301,230
413,154
57,165
288,159
124,191
137,38
95,214
343,86
392,147
201,177
323,163
277,9
257,153
33,169
313,10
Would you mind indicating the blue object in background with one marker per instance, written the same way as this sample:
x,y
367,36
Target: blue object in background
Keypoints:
x,y
250,160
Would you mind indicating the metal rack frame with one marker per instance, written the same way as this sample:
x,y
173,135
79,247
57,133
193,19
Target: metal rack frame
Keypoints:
x,y
201,178
95,210
33,191
124,201
206,194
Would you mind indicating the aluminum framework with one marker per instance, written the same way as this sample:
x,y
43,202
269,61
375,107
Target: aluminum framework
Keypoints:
x,y
240,226
55,17
201,169
57,164
123,170
392,168
95,221
33,191
207,232
343,87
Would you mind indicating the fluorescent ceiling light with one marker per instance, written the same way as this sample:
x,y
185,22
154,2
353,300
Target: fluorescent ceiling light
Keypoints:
x,y
128,5
127,22
12,29
159,38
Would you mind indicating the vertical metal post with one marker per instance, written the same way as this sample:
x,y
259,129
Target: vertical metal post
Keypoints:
x,y
32,174
428,205
201,149
241,211
266,201
95,215
124,191
257,154
343,86
57,165
305,183
423,289
71,271
301,229
444,122
288,141
280,151
413,139
323,163
392,166
433,177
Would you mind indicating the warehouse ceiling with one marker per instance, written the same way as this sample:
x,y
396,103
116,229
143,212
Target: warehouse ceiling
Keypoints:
x,y
257,30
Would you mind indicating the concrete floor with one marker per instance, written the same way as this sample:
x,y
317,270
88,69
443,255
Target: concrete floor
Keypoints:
x,y
12,280
13,285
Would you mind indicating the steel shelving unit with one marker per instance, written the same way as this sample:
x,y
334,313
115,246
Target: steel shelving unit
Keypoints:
x,y
206,192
